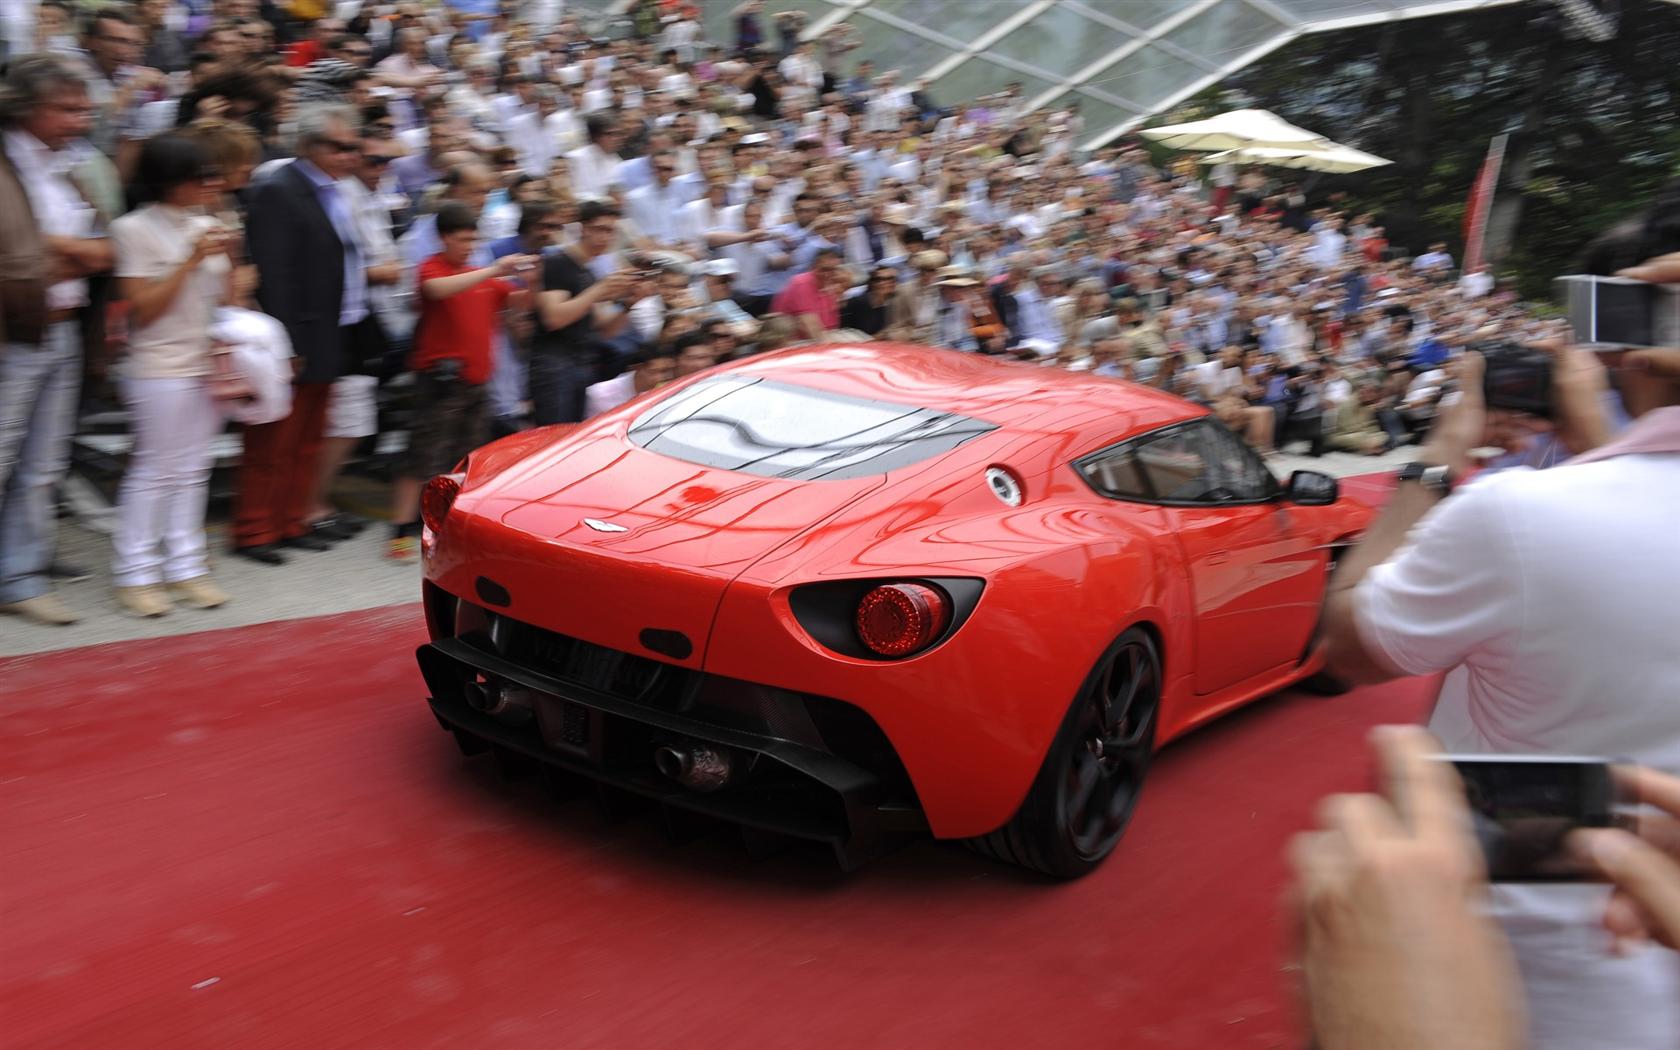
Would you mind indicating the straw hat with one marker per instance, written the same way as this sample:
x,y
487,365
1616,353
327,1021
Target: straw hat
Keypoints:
x,y
955,277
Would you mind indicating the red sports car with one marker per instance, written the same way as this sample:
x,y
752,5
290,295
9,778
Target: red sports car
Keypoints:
x,y
848,592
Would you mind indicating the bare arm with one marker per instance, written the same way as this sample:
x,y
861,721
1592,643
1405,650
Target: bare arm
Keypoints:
x,y
455,284
1458,430
80,256
724,238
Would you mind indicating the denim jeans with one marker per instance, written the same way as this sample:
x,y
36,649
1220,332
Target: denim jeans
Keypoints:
x,y
38,388
557,384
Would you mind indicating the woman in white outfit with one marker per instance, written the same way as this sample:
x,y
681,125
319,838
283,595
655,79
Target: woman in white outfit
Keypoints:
x,y
172,266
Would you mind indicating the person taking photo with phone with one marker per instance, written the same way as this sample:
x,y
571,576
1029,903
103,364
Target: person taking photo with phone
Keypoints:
x,y
1548,600
1390,897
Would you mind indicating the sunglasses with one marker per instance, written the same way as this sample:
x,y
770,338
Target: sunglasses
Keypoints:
x,y
339,146
375,160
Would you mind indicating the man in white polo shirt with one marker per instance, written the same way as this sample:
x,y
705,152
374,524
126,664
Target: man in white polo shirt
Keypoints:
x,y
1551,599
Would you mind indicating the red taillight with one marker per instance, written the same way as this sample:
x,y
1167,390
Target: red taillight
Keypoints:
x,y
437,497
897,619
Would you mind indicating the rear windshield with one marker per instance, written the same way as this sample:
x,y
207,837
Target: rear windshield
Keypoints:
x,y
778,430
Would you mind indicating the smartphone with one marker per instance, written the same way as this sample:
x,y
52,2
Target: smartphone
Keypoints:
x,y
1616,311
1524,806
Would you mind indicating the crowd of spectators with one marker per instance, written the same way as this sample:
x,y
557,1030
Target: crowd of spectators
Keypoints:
x,y
464,220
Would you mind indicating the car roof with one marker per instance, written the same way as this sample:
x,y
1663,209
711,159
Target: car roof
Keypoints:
x,y
1014,395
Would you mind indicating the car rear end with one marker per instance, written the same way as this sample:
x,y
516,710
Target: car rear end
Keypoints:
x,y
572,596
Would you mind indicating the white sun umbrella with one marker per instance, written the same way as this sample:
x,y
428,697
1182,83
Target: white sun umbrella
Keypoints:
x,y
1333,159
1237,129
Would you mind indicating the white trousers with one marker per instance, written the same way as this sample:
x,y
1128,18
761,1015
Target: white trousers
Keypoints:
x,y
160,506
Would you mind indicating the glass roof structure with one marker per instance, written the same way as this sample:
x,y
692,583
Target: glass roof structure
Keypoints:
x,y
1123,60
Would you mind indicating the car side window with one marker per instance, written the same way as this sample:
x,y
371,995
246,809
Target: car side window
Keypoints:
x,y
1235,472
1114,472
1198,462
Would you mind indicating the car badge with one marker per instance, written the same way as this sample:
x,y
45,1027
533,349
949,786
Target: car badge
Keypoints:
x,y
604,526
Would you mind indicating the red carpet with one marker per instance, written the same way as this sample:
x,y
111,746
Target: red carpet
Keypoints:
x,y
259,838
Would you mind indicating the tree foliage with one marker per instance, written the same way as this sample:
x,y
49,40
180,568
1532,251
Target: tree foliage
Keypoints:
x,y
1594,126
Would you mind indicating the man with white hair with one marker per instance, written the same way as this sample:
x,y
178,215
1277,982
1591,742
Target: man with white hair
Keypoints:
x,y
313,280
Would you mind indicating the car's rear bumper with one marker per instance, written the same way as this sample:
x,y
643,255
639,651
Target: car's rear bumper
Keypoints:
x,y
783,786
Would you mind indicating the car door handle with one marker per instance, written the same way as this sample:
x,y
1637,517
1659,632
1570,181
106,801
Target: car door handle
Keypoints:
x,y
1218,558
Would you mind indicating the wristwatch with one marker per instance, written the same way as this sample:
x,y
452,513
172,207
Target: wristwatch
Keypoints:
x,y
1432,476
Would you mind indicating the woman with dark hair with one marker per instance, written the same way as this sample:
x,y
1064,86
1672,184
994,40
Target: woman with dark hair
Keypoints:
x,y
172,268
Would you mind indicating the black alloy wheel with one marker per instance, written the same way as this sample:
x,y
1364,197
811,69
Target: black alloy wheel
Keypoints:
x,y
1087,789
1115,734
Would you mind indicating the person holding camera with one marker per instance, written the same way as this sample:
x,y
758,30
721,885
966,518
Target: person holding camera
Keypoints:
x,y
576,316
460,307
1390,894
1548,599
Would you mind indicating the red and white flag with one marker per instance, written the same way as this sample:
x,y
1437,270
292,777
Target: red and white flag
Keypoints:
x,y
1481,203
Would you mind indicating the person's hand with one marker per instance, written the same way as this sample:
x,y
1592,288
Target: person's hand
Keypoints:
x,y
1663,269
616,285
140,79
516,265
1461,426
1579,383
213,241
1644,867
1393,951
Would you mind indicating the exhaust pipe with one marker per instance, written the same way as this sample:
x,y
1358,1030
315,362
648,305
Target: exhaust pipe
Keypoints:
x,y
509,704
698,768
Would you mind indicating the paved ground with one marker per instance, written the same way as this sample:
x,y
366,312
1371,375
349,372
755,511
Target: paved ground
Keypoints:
x,y
354,575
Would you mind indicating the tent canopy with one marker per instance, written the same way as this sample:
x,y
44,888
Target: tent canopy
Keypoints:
x,y
1238,129
1334,159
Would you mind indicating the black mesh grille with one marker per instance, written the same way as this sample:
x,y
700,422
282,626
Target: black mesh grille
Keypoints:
x,y
627,676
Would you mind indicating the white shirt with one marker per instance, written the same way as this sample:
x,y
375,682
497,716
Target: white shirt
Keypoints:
x,y
1475,285
152,242
696,219
529,137
565,130
656,209
801,70
1327,249
592,170
60,209
608,394
1549,597
371,211
1433,261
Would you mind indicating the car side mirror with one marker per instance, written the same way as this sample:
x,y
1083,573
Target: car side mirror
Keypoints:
x,y
1310,488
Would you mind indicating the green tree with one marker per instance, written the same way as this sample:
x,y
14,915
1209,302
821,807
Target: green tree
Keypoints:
x,y
1594,126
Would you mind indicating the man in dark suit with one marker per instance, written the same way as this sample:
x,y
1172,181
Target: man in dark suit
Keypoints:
x,y
313,281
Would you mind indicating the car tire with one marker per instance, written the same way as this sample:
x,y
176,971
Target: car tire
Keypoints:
x,y
1082,799
1323,684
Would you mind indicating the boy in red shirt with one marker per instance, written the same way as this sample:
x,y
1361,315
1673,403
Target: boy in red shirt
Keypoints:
x,y
460,307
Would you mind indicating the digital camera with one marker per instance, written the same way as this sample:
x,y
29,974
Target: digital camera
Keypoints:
x,y
1516,377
